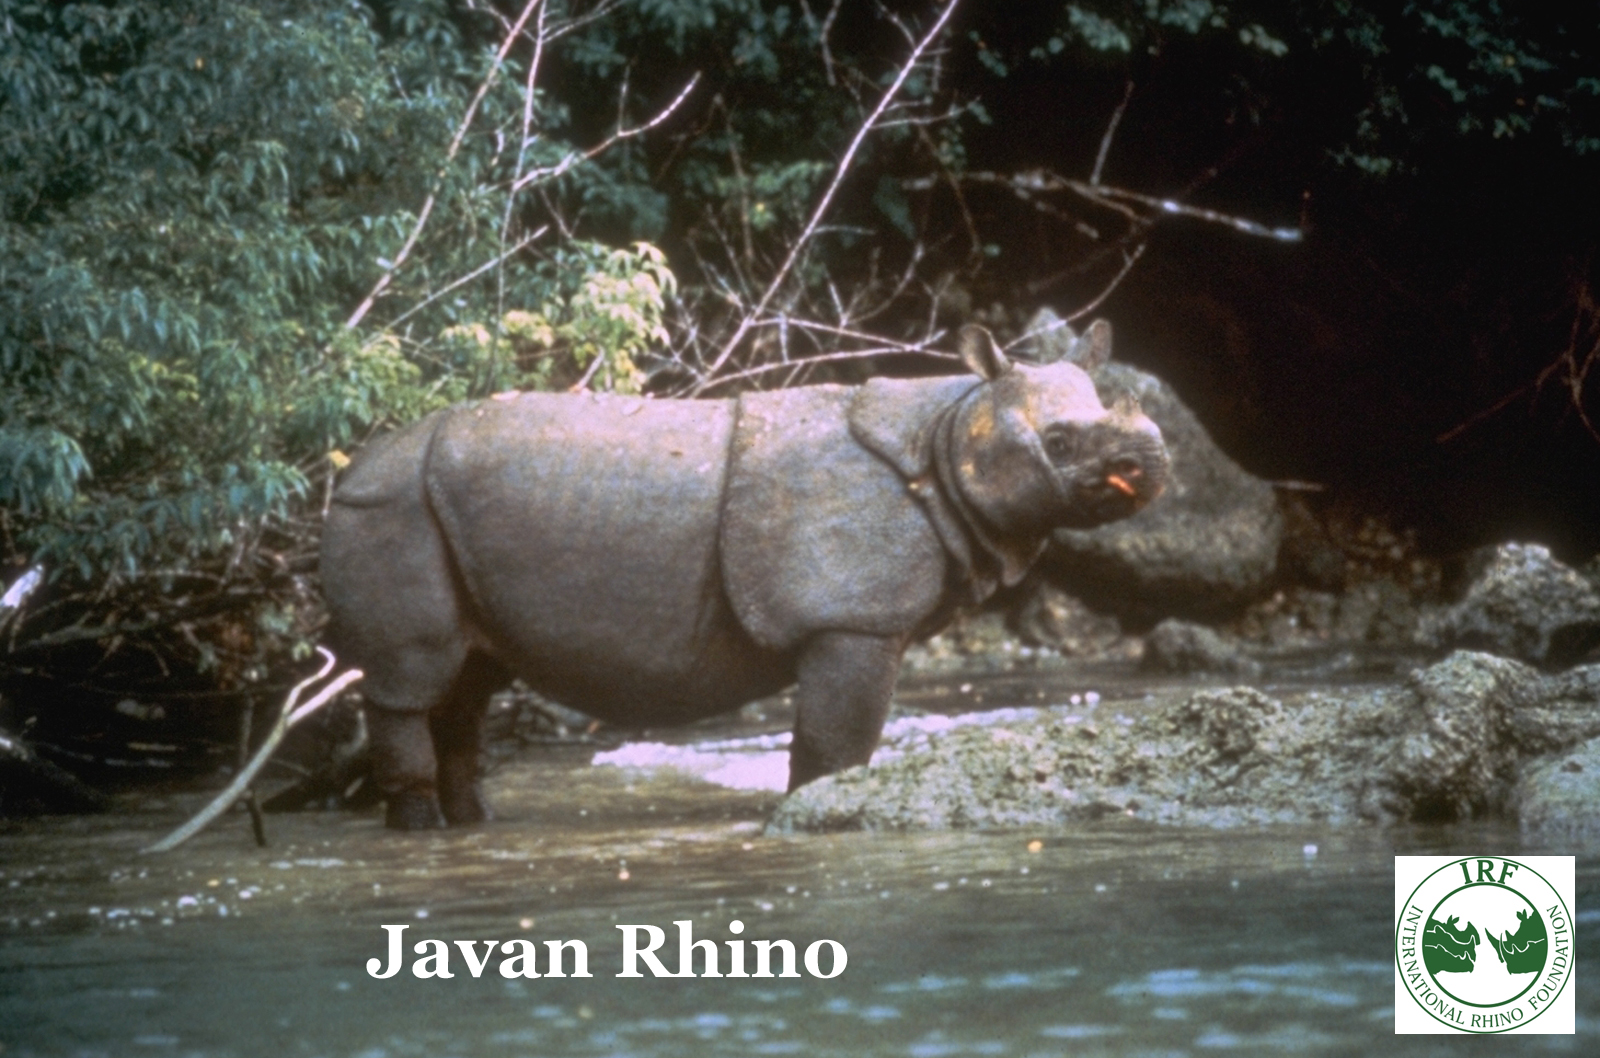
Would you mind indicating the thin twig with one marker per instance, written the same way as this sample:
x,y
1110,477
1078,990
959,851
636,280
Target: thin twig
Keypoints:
x,y
885,349
258,825
594,365
577,157
438,180
522,244
1128,261
1167,205
1115,198
1111,132
528,97
826,201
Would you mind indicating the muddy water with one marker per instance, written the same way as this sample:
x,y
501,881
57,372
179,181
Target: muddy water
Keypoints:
x,y
1107,939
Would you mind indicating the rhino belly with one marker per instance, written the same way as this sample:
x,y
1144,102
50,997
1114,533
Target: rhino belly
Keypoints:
x,y
584,531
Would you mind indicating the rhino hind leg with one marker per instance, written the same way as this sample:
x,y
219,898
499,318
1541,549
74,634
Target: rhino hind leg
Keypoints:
x,y
456,724
404,767
427,762
846,681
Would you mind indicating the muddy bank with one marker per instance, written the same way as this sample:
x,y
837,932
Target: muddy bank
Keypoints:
x,y
1469,737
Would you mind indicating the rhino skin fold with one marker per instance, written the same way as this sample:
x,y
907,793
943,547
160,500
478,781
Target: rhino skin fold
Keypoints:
x,y
657,561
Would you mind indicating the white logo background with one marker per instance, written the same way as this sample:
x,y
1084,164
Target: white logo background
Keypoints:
x,y
1487,997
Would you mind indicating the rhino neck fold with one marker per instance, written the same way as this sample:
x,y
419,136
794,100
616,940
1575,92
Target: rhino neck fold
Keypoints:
x,y
1007,561
909,425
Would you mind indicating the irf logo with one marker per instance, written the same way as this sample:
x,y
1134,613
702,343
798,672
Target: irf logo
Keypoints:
x,y
1483,944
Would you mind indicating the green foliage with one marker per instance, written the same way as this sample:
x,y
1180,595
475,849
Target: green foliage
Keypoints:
x,y
1467,68
1428,71
193,198
605,310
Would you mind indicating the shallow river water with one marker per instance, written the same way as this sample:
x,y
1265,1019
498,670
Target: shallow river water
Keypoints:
x,y
1107,939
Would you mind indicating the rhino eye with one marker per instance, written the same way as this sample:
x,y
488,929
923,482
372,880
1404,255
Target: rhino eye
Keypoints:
x,y
1058,446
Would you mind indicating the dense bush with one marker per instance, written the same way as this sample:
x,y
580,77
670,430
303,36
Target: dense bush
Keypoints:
x,y
194,199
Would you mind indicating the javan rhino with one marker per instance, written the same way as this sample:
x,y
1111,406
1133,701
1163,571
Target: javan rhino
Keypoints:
x,y
659,561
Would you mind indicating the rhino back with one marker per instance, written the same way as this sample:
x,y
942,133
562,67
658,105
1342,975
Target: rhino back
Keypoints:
x,y
584,529
820,534
388,470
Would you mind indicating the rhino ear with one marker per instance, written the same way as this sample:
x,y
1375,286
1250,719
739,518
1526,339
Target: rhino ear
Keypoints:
x,y
1094,348
980,352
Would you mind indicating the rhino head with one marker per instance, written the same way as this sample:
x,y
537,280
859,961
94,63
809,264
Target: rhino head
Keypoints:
x,y
1033,450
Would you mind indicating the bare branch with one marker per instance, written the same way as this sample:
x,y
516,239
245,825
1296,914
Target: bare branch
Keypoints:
x,y
1167,205
884,349
528,98
1036,181
498,259
449,158
1111,131
801,244
1128,261
1570,368
822,31
577,157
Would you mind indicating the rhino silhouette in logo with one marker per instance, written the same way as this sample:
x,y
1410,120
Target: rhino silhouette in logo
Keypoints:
x,y
1448,947
1524,951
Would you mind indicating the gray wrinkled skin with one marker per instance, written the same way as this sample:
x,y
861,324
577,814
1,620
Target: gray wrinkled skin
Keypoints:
x,y
658,561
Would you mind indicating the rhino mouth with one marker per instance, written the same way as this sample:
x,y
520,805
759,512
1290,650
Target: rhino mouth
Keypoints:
x,y
1119,484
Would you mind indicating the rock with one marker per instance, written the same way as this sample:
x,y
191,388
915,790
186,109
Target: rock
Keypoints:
x,y
1176,646
1202,759
1561,713
1560,795
1308,554
1521,604
977,643
1451,754
1049,617
1461,739
1377,611
1202,549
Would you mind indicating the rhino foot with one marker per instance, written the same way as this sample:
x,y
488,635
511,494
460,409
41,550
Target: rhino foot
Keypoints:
x,y
413,810
465,806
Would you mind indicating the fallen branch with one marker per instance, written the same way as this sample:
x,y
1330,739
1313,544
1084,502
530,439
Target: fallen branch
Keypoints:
x,y
292,714
26,777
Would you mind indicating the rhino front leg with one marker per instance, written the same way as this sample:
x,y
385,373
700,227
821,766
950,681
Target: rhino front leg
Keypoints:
x,y
846,680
